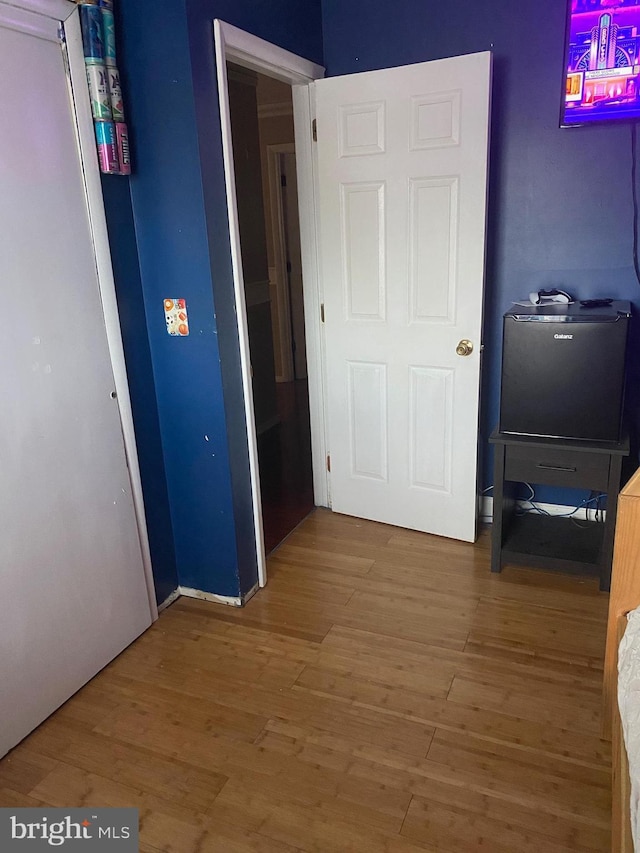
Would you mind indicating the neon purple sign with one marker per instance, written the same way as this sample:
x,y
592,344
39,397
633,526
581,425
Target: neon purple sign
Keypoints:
x,y
602,61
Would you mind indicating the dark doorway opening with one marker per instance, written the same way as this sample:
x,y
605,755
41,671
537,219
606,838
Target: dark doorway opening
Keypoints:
x,y
261,111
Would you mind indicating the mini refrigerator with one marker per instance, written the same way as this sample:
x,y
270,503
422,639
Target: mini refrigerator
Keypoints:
x,y
563,371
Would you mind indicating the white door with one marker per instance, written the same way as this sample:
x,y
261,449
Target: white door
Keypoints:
x,y
71,569
402,177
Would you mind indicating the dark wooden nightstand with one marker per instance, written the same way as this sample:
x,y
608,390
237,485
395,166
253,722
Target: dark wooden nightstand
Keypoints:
x,y
552,542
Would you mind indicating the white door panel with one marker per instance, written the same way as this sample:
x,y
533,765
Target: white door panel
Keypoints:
x,y
402,176
71,566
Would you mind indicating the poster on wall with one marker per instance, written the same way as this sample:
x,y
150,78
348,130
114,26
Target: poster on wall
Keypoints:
x,y
175,315
602,61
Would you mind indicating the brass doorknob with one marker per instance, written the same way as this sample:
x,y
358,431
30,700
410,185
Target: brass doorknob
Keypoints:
x,y
464,348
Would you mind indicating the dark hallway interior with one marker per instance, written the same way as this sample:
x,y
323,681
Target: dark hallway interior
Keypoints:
x,y
284,453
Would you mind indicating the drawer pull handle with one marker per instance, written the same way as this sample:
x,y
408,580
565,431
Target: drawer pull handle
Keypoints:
x,y
556,468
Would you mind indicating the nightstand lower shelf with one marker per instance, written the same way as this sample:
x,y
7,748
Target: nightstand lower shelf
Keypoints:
x,y
550,542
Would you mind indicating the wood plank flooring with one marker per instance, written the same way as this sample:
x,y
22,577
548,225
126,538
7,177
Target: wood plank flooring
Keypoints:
x,y
385,693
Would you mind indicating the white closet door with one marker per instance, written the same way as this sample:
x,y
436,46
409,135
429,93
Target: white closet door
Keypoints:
x,y
71,568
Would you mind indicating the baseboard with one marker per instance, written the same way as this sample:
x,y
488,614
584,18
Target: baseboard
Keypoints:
x,y
169,600
251,593
231,600
486,510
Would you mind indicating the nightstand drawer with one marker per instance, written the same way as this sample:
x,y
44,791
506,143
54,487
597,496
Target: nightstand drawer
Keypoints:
x,y
557,467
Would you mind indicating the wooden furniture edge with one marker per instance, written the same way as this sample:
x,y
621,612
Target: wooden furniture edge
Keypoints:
x,y
624,597
625,589
621,836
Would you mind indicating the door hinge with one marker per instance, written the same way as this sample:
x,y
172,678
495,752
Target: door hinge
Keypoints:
x,y
328,463
322,312
283,180
314,130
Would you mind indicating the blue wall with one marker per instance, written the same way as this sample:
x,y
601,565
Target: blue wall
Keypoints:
x,y
560,214
178,205
133,321
560,200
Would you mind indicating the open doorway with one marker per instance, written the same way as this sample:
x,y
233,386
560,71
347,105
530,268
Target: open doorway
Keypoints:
x,y
261,117
253,53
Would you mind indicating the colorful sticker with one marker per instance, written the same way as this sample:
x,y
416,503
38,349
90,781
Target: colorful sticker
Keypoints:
x,y
175,313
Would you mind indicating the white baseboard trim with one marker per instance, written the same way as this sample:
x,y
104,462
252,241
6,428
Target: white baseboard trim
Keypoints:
x,y
232,601
169,600
486,510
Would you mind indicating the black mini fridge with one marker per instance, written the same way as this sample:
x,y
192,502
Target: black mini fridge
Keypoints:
x,y
563,371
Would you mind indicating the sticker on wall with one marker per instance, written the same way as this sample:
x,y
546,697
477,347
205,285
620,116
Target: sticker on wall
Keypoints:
x,y
175,313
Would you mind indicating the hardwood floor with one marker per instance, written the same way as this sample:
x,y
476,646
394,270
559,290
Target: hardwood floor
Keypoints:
x,y
385,693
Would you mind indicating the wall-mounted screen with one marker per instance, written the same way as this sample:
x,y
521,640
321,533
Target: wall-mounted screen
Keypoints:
x,y
602,61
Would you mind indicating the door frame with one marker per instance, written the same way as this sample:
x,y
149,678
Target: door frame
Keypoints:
x,y
258,55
